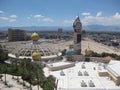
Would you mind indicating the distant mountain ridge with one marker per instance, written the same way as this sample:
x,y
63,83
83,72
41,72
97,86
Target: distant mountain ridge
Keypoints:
x,y
65,28
38,28
101,28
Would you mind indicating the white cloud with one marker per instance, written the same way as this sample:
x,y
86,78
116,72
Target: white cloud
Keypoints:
x,y
13,16
31,16
28,17
1,12
38,16
102,20
68,22
99,14
117,15
47,20
12,20
3,18
86,14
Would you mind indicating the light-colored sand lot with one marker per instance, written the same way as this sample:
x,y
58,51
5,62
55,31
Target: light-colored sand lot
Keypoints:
x,y
14,85
97,47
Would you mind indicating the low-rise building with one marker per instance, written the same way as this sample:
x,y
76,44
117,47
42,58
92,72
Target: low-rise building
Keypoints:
x,y
113,71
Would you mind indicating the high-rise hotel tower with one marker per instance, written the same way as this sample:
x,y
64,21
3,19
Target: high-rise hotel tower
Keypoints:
x,y
77,25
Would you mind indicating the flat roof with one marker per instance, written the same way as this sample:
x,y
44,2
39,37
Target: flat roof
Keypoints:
x,y
58,64
114,67
71,80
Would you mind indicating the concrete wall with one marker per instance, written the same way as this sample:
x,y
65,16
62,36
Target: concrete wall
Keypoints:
x,y
103,73
60,67
78,57
98,59
93,59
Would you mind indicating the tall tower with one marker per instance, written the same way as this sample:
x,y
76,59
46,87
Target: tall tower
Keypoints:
x,y
77,25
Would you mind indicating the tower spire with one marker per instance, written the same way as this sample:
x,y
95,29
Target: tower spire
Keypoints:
x,y
78,14
88,46
77,25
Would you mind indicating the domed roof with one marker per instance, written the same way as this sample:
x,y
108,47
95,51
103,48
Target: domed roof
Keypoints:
x,y
35,36
88,51
45,48
36,56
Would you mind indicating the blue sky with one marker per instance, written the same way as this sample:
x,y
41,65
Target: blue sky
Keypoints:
x,y
58,12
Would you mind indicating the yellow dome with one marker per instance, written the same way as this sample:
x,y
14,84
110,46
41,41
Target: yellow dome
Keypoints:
x,y
36,56
88,51
35,36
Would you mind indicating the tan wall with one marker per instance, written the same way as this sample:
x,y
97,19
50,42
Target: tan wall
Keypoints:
x,y
82,58
118,81
60,67
98,59
103,73
115,79
9,35
78,57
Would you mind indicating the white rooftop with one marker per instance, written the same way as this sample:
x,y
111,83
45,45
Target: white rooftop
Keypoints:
x,y
71,80
114,67
59,64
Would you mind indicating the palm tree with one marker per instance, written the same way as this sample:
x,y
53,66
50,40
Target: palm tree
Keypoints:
x,y
26,68
48,83
1,71
16,63
4,69
13,69
30,68
30,78
32,72
1,77
39,75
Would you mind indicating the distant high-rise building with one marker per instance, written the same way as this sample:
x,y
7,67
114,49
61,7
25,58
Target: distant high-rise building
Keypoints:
x,y
60,30
77,25
16,35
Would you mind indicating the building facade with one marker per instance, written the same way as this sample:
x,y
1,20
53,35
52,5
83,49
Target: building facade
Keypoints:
x,y
77,25
16,35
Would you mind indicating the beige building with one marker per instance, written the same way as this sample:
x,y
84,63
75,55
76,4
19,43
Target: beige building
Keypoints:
x,y
113,71
16,35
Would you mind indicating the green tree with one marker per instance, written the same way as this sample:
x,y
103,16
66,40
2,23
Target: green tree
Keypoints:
x,y
25,65
39,75
49,83
3,56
